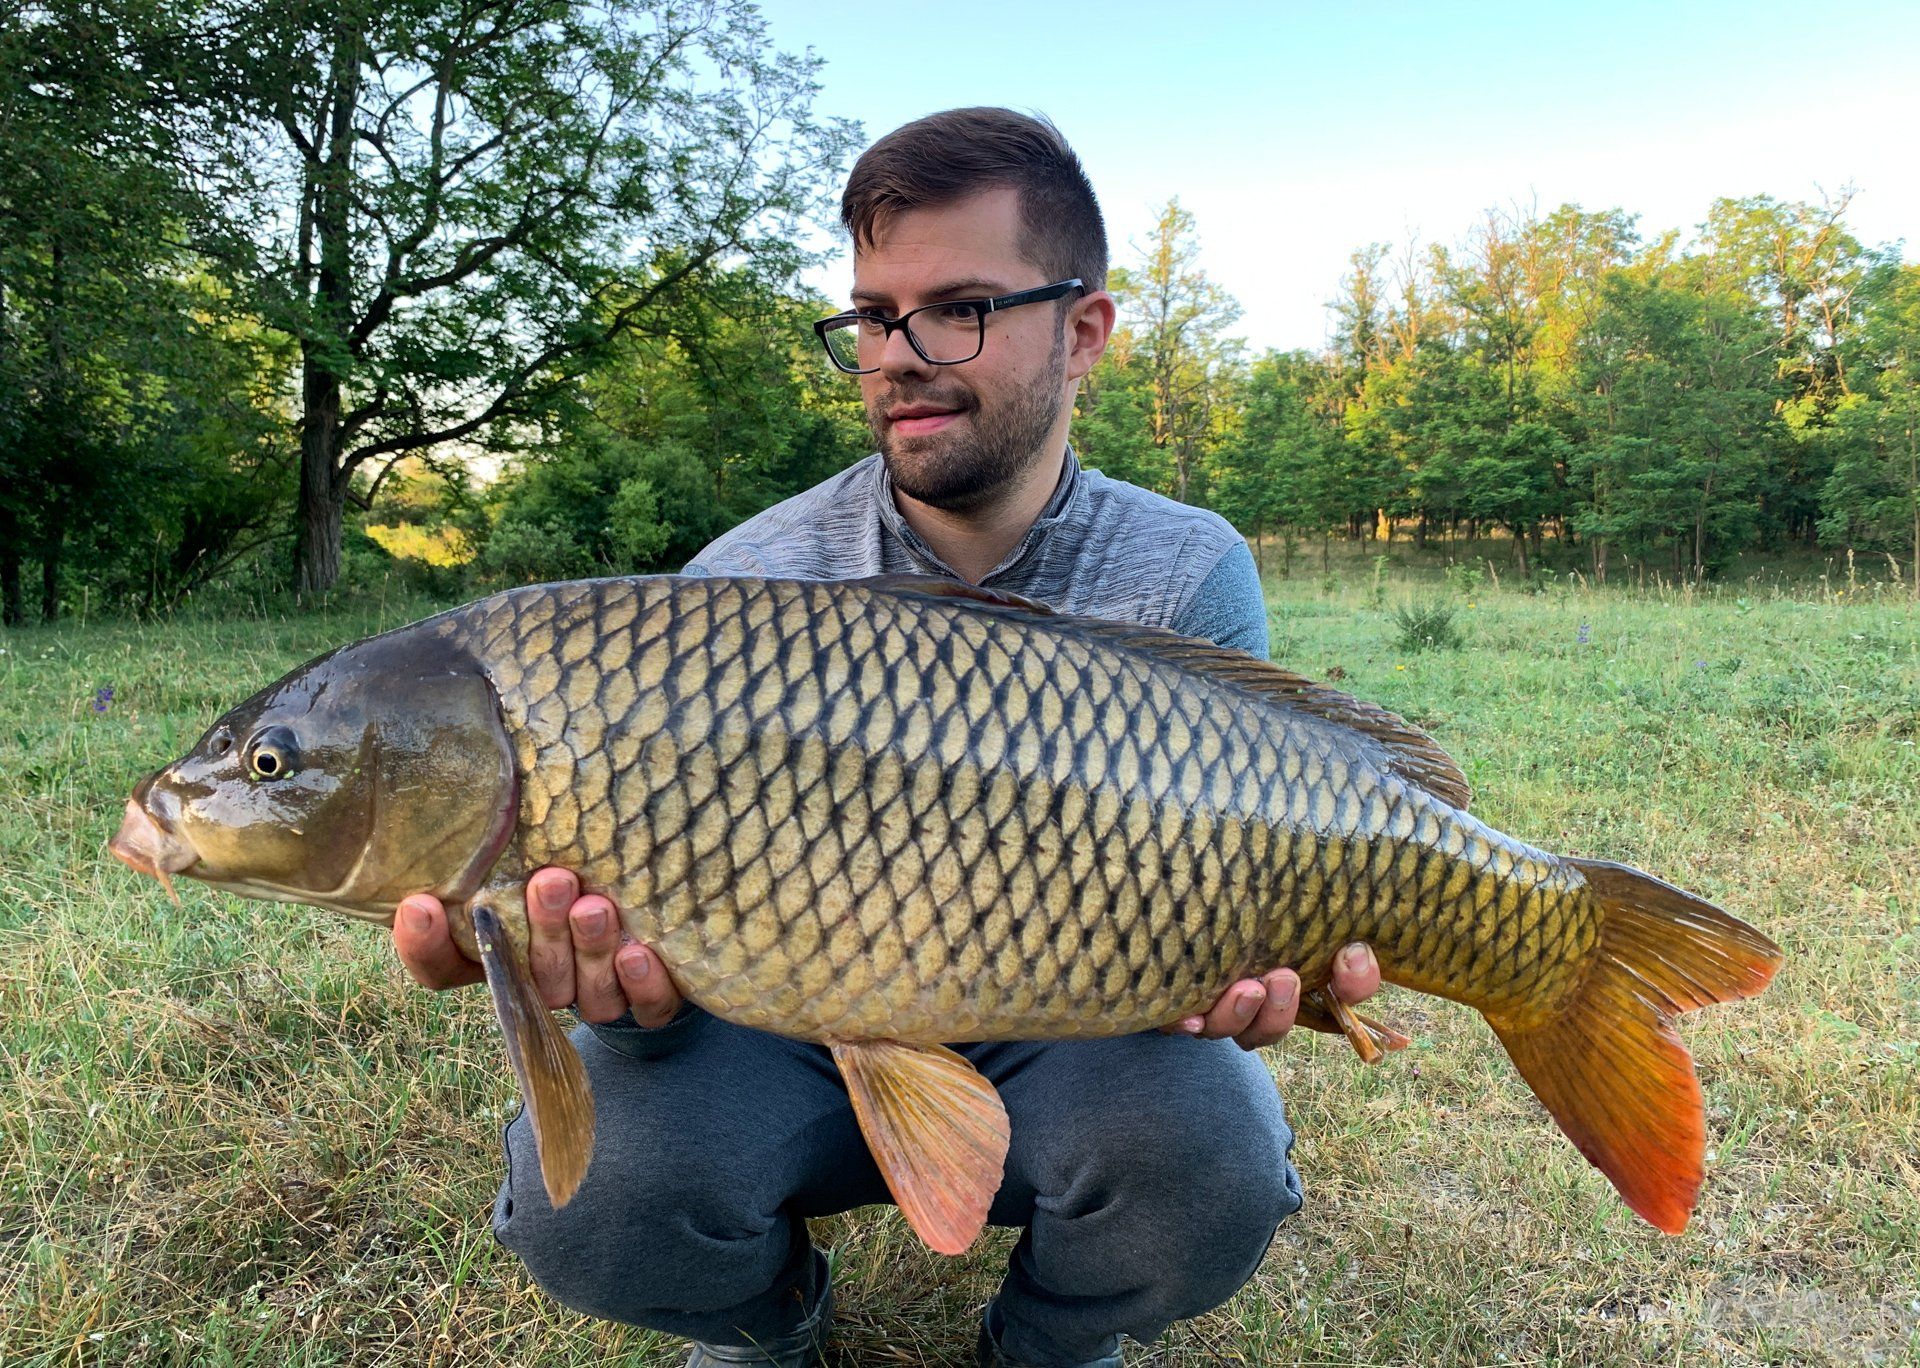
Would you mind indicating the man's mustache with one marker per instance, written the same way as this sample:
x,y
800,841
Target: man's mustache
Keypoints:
x,y
898,397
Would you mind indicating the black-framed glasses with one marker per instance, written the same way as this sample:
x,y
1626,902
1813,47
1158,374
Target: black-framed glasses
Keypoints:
x,y
943,334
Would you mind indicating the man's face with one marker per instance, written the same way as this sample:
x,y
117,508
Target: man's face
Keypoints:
x,y
952,436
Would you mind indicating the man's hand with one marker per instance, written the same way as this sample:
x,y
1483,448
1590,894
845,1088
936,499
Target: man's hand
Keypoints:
x,y
580,955
1257,1012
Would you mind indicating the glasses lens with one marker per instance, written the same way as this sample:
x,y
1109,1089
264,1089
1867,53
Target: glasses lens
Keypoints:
x,y
947,333
843,344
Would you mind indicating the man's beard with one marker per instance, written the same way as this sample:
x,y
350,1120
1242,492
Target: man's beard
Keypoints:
x,y
961,471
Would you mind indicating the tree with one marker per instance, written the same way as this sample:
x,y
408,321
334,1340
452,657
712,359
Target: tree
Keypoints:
x,y
1688,413
1177,316
664,443
452,206
1113,429
1280,469
109,361
1872,496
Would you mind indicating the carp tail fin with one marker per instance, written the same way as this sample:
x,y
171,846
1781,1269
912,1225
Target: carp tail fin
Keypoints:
x,y
553,1081
937,1130
1609,1066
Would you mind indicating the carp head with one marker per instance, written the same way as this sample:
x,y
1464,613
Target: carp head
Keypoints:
x,y
376,771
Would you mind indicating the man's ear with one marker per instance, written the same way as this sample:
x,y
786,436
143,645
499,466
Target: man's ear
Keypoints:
x,y
1090,323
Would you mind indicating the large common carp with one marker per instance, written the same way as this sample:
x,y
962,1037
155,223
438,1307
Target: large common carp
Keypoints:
x,y
886,814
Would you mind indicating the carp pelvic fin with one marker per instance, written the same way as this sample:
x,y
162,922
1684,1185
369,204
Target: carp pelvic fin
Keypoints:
x,y
553,1081
937,1130
1609,1066
1372,1040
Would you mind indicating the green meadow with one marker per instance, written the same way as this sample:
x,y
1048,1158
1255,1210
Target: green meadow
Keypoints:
x,y
234,1133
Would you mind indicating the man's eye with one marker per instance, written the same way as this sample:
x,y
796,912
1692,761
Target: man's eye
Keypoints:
x,y
954,313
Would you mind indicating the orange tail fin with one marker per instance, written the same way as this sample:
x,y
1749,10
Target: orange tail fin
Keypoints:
x,y
1609,1067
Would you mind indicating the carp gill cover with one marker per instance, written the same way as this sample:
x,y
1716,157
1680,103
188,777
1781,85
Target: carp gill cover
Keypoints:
x,y
888,814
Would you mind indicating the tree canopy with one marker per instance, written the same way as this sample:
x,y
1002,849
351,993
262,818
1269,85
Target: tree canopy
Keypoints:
x,y
481,291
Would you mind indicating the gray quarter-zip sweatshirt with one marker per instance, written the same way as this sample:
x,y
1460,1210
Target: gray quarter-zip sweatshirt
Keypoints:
x,y
1100,548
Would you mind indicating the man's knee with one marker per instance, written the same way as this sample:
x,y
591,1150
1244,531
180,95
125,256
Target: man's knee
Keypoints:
x,y
644,1244
681,1209
1177,1187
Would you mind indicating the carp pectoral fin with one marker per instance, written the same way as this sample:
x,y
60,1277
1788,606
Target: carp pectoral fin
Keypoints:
x,y
1320,1010
1608,1065
553,1081
936,1129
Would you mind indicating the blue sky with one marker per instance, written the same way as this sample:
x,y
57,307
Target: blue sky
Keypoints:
x,y
1298,132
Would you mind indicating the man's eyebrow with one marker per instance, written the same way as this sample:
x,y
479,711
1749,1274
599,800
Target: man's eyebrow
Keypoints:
x,y
970,287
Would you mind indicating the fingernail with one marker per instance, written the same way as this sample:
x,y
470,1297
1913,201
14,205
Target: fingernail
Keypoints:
x,y
1354,959
419,922
1192,1025
1281,993
1247,1003
591,922
555,896
639,963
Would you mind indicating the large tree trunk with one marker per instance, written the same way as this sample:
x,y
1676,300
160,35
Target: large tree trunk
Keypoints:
x,y
316,554
13,611
50,555
323,484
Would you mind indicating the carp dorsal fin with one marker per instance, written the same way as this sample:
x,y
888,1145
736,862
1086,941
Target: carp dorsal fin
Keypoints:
x,y
939,586
553,1081
937,1130
1411,753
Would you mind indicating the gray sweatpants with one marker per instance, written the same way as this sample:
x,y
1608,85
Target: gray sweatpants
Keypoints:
x,y
1148,1172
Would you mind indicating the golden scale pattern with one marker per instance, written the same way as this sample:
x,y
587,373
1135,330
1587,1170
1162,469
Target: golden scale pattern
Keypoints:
x,y
844,813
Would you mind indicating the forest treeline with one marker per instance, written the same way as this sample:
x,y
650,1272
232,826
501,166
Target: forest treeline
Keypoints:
x,y
1652,402
476,293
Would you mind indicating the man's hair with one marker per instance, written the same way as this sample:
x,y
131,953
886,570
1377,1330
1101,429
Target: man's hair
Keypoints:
x,y
946,157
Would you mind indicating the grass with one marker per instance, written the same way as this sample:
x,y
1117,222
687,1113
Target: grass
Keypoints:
x,y
234,1134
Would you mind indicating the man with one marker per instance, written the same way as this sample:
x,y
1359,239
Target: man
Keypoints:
x,y
1148,1172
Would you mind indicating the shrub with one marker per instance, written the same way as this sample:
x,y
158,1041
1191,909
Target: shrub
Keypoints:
x,y
1427,627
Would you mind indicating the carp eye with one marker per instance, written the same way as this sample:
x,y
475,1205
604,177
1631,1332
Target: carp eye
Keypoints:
x,y
272,754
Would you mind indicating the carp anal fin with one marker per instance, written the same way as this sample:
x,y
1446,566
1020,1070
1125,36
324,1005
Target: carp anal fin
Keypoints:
x,y
1372,1040
1608,1065
937,1130
553,1081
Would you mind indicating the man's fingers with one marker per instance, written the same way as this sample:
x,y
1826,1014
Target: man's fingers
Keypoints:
x,y
1235,1010
550,893
426,948
1275,1017
596,935
1356,974
643,978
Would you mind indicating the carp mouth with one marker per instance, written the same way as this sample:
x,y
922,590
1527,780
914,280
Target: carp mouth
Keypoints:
x,y
147,847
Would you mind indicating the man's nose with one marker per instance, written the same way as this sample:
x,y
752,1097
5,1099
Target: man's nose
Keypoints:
x,y
898,358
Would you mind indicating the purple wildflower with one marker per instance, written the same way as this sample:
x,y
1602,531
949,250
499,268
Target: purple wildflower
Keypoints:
x,y
1584,634
102,696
